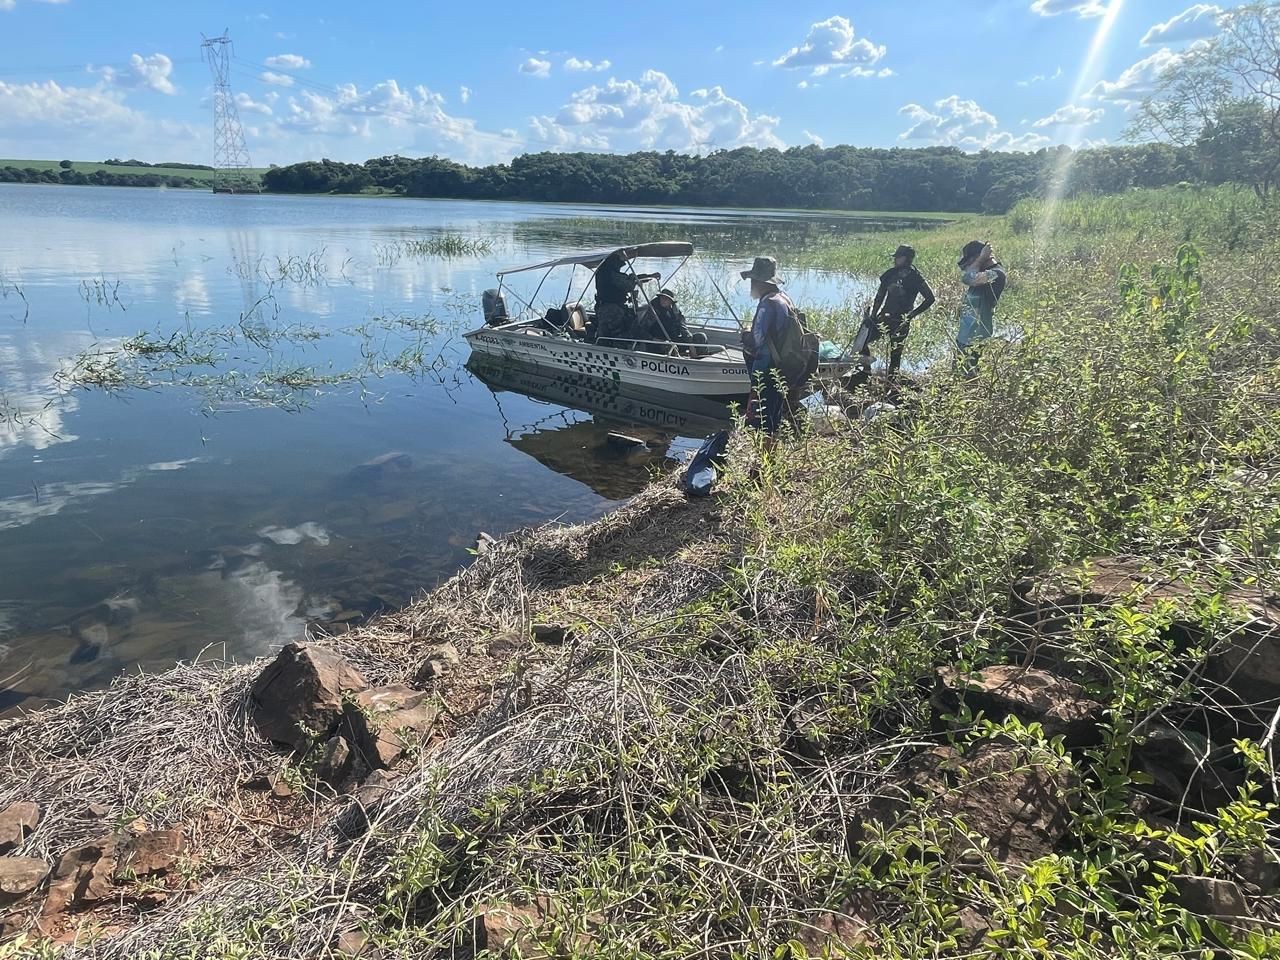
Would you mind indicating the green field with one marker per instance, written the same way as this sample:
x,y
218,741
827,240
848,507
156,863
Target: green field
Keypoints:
x,y
86,167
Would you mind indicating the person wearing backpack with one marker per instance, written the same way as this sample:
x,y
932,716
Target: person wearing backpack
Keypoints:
x,y
774,398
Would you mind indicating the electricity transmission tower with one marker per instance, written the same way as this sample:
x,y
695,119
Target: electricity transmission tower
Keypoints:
x,y
230,155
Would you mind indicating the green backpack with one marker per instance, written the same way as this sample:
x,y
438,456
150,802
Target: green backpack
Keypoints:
x,y
795,351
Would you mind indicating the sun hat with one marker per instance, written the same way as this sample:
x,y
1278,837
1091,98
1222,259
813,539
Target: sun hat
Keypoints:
x,y
764,269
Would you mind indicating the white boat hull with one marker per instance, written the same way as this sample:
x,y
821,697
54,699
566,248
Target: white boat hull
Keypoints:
x,y
721,375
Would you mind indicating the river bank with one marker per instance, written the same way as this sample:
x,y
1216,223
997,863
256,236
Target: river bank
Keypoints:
x,y
992,673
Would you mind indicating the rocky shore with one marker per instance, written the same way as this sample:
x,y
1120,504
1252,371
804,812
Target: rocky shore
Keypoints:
x,y
135,815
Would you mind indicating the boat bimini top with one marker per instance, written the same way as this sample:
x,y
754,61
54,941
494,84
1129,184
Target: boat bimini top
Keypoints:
x,y
661,249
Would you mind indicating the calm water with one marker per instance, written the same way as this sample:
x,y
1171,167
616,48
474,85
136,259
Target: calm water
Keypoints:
x,y
297,435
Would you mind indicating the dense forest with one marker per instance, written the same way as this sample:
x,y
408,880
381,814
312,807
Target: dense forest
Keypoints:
x,y
101,178
812,177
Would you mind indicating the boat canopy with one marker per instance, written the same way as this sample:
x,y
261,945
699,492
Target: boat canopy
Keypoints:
x,y
659,248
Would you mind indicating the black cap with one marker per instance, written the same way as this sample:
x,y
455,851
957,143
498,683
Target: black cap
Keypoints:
x,y
905,251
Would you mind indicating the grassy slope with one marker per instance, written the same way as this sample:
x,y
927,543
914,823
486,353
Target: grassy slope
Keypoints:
x,y
642,783
87,168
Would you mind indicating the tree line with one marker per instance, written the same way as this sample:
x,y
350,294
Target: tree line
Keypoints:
x,y
99,178
811,177
1214,118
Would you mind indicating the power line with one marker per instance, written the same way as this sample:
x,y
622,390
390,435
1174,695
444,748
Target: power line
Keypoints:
x,y
86,68
230,155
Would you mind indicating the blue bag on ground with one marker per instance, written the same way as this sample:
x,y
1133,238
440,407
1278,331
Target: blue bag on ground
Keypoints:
x,y
700,476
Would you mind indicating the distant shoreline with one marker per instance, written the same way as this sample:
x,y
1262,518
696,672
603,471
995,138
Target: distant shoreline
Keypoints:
x,y
924,215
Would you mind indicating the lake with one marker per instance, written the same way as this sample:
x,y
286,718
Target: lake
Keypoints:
x,y
224,417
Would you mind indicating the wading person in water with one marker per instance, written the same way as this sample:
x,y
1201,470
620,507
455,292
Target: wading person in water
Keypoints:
x,y
773,399
615,288
894,309
984,279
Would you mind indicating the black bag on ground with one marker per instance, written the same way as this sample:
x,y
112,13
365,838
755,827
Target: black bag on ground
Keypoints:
x,y
700,476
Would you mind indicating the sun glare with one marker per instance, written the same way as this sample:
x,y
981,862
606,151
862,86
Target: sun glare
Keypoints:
x,y
1086,77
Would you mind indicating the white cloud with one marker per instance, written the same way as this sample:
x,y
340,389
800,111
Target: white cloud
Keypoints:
x,y
247,104
49,119
1071,116
869,72
831,43
574,65
1081,8
1040,78
1195,23
287,61
8,4
961,123
276,79
814,138
650,114
149,73
464,94
1140,80
385,118
536,68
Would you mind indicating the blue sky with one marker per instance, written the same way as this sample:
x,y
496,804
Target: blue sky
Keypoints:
x,y
479,82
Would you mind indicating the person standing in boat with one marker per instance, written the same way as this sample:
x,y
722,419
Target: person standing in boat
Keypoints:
x,y
774,401
616,285
984,279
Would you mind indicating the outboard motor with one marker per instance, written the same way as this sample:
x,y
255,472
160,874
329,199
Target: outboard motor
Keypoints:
x,y
494,305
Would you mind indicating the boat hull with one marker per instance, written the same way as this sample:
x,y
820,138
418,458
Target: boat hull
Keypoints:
x,y
716,376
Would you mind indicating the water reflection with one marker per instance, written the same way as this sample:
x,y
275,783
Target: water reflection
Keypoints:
x,y
630,433
188,508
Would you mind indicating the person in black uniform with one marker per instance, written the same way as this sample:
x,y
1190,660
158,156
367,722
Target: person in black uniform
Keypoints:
x,y
615,292
894,309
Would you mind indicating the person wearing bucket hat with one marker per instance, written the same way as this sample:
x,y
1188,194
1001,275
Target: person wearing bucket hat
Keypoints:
x,y
773,402
893,310
984,280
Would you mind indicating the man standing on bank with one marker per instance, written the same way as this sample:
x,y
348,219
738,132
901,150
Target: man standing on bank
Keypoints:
x,y
894,309
773,400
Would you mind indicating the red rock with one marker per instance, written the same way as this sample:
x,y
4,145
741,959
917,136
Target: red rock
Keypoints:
x,y
17,822
337,761
381,723
299,696
148,854
1030,694
831,930
510,929
1022,809
82,874
19,876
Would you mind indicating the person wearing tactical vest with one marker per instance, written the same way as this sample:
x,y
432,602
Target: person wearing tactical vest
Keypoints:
x,y
894,309
615,296
774,399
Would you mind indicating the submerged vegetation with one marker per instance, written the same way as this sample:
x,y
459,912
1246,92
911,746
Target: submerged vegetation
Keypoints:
x,y
739,749
445,245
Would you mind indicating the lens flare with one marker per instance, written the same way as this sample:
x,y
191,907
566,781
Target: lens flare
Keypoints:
x,y
1085,79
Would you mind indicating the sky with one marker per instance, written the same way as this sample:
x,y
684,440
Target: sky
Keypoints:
x,y
482,82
